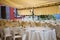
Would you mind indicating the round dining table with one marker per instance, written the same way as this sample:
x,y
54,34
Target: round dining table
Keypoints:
x,y
39,33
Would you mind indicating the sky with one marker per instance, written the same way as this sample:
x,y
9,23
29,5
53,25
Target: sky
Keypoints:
x,y
57,16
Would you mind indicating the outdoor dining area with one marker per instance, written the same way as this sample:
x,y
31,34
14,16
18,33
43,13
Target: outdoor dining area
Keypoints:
x,y
44,30
29,19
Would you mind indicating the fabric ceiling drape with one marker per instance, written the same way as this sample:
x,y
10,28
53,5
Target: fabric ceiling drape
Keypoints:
x,y
29,3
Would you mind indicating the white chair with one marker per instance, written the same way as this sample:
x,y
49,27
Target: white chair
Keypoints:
x,y
16,33
7,33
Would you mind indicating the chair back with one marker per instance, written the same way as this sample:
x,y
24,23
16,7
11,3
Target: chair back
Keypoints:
x,y
7,31
17,30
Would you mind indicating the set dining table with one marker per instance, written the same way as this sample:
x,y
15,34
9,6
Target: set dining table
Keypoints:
x,y
39,33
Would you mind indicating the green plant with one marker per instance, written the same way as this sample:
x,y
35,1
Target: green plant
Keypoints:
x,y
44,17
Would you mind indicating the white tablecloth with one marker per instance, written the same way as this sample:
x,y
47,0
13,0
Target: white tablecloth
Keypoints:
x,y
40,34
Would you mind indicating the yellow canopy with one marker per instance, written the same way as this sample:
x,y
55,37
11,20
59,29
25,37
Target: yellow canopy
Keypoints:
x,y
28,4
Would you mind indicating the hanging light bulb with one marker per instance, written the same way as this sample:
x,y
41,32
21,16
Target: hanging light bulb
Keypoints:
x,y
59,7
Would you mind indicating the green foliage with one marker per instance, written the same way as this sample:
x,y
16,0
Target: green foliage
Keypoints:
x,y
45,17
